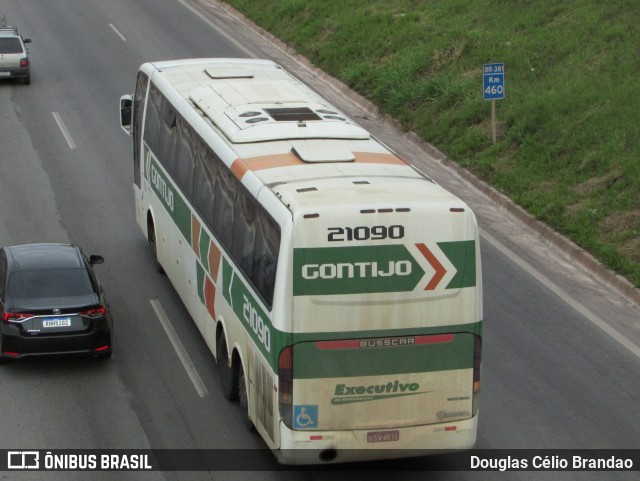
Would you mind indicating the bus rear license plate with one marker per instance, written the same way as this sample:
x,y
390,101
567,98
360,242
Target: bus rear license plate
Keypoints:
x,y
383,436
61,322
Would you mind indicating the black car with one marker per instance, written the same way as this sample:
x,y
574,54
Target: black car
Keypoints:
x,y
51,302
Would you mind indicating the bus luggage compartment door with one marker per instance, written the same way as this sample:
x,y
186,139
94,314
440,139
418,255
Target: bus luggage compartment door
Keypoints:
x,y
382,382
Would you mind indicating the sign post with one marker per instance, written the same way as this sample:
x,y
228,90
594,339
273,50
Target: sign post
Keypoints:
x,y
493,89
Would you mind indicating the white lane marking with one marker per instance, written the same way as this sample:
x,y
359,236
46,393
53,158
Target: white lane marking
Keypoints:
x,y
566,297
212,25
179,348
65,132
118,32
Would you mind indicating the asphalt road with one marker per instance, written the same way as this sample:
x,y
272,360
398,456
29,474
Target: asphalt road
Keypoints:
x,y
561,365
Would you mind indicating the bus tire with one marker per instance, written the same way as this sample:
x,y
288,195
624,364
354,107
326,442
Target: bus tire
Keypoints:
x,y
228,373
243,397
153,244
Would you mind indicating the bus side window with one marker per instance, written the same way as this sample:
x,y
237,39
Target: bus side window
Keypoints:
x,y
152,120
185,158
244,231
223,207
168,137
265,256
204,184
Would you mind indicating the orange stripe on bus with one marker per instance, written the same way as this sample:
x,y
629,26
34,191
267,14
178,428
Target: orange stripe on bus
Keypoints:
x,y
273,161
239,167
210,296
195,235
376,158
214,260
433,260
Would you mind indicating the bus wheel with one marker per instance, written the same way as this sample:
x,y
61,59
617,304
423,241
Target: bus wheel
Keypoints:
x,y
228,374
151,240
244,400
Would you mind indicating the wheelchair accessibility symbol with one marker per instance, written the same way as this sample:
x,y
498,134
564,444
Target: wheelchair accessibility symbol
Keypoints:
x,y
305,416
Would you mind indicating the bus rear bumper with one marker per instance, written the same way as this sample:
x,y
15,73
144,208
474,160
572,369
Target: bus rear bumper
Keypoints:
x,y
323,447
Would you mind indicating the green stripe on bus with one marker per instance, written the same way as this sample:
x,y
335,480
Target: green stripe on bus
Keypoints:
x,y
170,197
312,362
354,270
227,276
462,255
375,269
318,363
183,218
203,247
251,315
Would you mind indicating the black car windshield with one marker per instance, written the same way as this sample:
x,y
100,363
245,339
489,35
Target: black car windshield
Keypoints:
x,y
10,45
49,283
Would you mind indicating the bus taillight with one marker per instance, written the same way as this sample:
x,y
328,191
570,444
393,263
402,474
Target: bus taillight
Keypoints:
x,y
285,385
477,361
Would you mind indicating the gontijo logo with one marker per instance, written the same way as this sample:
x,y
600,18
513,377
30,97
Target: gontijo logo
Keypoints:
x,y
358,270
162,188
375,269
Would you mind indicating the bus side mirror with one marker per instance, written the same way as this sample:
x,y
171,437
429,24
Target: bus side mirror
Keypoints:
x,y
126,113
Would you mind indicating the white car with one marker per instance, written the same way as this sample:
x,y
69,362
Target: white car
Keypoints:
x,y
14,56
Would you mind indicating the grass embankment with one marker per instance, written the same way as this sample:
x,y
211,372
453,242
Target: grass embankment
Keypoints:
x,y
568,147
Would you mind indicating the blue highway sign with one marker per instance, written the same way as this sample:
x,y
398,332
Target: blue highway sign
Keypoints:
x,y
493,81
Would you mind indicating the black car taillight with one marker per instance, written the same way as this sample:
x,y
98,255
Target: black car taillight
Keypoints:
x,y
24,62
94,312
285,385
15,316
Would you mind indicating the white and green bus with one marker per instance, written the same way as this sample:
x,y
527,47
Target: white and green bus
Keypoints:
x,y
338,287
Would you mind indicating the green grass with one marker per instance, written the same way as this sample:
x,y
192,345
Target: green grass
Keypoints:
x,y
568,147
